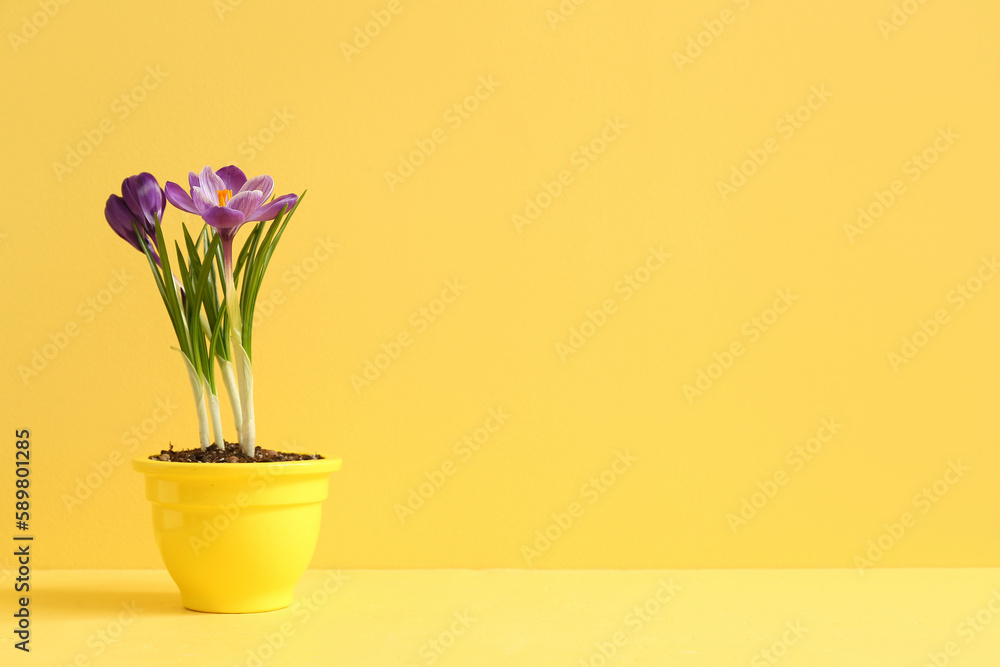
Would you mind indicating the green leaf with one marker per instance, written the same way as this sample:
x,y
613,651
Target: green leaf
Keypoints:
x,y
188,242
170,292
257,262
213,349
251,247
213,309
247,246
204,269
195,284
154,268
181,265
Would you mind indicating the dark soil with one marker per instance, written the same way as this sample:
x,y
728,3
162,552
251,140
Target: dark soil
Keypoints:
x,y
231,454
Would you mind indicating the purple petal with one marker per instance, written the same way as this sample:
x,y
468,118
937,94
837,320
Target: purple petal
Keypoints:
x,y
247,202
203,202
211,183
263,183
224,219
193,180
180,199
271,210
118,215
233,178
143,196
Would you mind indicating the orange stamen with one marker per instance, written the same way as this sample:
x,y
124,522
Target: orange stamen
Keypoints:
x,y
224,196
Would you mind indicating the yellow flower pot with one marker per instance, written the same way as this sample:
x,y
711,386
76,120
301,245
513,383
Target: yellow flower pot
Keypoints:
x,y
236,537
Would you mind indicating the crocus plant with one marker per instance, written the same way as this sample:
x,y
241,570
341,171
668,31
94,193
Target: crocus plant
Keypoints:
x,y
212,319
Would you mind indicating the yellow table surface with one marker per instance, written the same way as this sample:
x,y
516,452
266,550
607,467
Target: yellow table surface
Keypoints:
x,y
499,617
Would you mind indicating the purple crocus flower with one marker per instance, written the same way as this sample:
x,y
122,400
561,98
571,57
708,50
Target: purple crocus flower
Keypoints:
x,y
227,200
141,205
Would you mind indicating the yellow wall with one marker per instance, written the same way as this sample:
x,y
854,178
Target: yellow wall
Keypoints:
x,y
766,282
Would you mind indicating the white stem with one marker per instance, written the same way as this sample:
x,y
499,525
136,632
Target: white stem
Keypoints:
x,y
213,411
204,324
199,401
178,288
248,430
229,379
